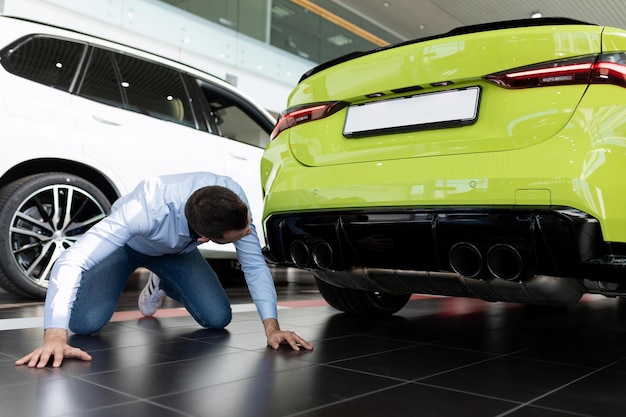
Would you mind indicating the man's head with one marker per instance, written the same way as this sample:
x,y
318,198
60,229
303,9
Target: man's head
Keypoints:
x,y
218,214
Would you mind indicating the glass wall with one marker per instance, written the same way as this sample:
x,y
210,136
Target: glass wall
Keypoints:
x,y
316,30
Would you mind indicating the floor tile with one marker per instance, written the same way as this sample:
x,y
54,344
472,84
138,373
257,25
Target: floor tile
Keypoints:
x,y
413,362
533,411
600,394
134,409
55,396
414,400
278,394
510,378
184,375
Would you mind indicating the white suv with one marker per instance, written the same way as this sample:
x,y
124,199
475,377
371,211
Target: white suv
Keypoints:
x,y
84,119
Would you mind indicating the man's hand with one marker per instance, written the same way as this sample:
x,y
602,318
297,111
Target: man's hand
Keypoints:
x,y
276,337
54,346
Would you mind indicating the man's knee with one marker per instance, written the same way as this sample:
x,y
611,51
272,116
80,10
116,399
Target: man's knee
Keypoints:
x,y
86,325
217,321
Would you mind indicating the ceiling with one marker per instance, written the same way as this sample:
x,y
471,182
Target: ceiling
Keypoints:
x,y
409,19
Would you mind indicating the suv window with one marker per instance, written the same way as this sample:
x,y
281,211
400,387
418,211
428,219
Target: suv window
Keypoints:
x,y
154,90
232,117
48,61
100,81
135,84
141,86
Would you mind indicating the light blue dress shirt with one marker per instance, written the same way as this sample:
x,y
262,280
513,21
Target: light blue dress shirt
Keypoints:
x,y
151,220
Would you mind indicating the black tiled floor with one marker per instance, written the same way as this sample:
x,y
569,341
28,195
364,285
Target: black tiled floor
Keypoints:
x,y
436,357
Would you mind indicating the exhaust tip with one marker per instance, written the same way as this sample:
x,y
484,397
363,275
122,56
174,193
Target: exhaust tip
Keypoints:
x,y
323,254
505,262
465,259
300,254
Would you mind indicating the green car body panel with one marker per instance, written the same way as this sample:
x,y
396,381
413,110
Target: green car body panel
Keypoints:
x,y
561,145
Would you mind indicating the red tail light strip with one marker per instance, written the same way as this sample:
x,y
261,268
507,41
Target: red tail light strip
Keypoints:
x,y
546,74
608,68
299,115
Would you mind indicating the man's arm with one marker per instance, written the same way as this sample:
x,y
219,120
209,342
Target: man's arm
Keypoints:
x,y
261,286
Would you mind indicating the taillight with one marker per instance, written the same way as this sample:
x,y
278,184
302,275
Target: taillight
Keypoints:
x,y
610,69
303,114
606,68
570,71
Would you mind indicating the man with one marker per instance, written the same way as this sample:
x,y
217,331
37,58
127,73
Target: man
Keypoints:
x,y
158,226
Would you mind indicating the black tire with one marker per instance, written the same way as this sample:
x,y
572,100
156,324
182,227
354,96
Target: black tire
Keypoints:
x,y
367,303
40,216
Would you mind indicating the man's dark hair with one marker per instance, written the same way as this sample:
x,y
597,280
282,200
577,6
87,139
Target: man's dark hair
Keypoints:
x,y
213,210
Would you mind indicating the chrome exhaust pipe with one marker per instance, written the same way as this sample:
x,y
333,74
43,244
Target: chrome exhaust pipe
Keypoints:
x,y
465,259
505,262
323,254
300,254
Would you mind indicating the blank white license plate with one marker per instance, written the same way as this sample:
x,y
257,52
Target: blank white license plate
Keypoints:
x,y
450,108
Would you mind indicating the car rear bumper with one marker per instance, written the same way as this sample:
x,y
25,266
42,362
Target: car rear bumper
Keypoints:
x,y
512,244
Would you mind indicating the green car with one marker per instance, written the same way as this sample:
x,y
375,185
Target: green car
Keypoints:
x,y
485,162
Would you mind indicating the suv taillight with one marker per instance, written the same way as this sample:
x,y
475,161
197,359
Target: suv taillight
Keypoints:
x,y
593,69
303,114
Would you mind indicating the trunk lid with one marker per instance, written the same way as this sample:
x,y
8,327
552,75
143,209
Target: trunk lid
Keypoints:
x,y
423,81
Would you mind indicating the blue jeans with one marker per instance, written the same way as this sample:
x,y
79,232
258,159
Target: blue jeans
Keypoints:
x,y
187,278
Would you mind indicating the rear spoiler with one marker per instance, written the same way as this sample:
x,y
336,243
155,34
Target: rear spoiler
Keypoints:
x,y
483,27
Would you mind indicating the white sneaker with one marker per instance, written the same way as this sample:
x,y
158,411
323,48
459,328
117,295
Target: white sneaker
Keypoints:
x,y
151,296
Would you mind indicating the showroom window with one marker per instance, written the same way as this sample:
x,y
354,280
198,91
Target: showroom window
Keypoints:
x,y
48,61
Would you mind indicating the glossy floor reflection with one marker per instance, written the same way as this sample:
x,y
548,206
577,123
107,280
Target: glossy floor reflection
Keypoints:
x,y
437,357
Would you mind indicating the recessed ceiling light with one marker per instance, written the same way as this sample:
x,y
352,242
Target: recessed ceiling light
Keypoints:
x,y
339,40
282,11
226,22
